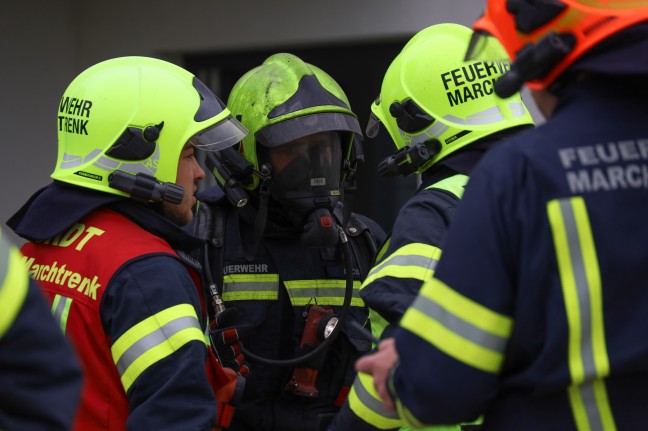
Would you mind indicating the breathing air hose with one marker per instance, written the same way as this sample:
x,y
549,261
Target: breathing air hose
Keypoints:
x,y
348,294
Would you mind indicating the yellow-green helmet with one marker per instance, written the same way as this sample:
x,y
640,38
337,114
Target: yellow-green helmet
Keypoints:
x,y
286,98
135,114
432,98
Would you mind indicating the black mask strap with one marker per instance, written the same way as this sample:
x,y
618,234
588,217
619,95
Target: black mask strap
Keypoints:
x,y
260,221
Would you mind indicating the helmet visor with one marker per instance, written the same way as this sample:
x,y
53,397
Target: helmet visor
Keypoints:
x,y
221,135
484,46
373,126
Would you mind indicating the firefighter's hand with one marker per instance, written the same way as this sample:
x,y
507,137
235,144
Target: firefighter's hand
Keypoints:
x,y
226,338
379,365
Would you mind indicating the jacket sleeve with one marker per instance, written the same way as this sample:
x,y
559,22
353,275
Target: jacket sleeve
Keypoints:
x,y
409,259
152,314
453,338
40,375
410,256
363,410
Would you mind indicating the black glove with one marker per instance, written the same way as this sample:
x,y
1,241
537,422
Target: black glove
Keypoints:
x,y
226,339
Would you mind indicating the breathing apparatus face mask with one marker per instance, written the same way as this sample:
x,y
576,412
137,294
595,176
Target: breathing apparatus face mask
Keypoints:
x,y
306,184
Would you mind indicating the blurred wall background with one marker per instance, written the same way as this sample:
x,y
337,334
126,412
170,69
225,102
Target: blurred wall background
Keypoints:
x,y
44,44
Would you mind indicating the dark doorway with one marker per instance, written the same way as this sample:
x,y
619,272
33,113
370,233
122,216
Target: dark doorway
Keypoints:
x,y
359,69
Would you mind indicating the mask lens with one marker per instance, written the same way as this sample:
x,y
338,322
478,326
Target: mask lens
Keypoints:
x,y
484,47
307,164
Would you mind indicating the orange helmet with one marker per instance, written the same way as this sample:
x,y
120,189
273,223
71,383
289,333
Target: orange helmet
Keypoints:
x,y
550,35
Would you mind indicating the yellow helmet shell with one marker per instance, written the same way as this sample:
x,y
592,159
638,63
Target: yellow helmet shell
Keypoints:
x,y
431,72
135,114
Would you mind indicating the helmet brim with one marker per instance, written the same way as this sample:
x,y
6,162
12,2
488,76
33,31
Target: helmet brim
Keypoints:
x,y
298,127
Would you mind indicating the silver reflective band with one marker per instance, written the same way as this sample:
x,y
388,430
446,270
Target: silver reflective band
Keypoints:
x,y
373,404
590,372
250,286
60,308
316,292
155,338
459,326
406,260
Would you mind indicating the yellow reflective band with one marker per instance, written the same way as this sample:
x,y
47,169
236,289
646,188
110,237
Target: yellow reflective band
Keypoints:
x,y
365,402
14,282
415,260
327,292
60,310
458,326
382,251
154,339
250,287
378,324
582,397
454,184
403,412
581,286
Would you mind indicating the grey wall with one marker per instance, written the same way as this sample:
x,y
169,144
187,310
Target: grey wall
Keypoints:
x,y
37,59
45,43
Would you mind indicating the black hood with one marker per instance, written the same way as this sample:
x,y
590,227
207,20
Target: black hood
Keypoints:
x,y
58,206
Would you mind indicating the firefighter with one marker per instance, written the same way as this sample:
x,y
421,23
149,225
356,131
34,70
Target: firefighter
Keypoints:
x,y
39,372
535,316
105,242
280,259
442,115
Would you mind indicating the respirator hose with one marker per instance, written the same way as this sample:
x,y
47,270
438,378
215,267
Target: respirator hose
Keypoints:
x,y
348,294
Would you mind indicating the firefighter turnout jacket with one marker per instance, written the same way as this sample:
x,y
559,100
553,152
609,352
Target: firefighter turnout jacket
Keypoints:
x,y
272,293
536,316
39,373
406,261
122,290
